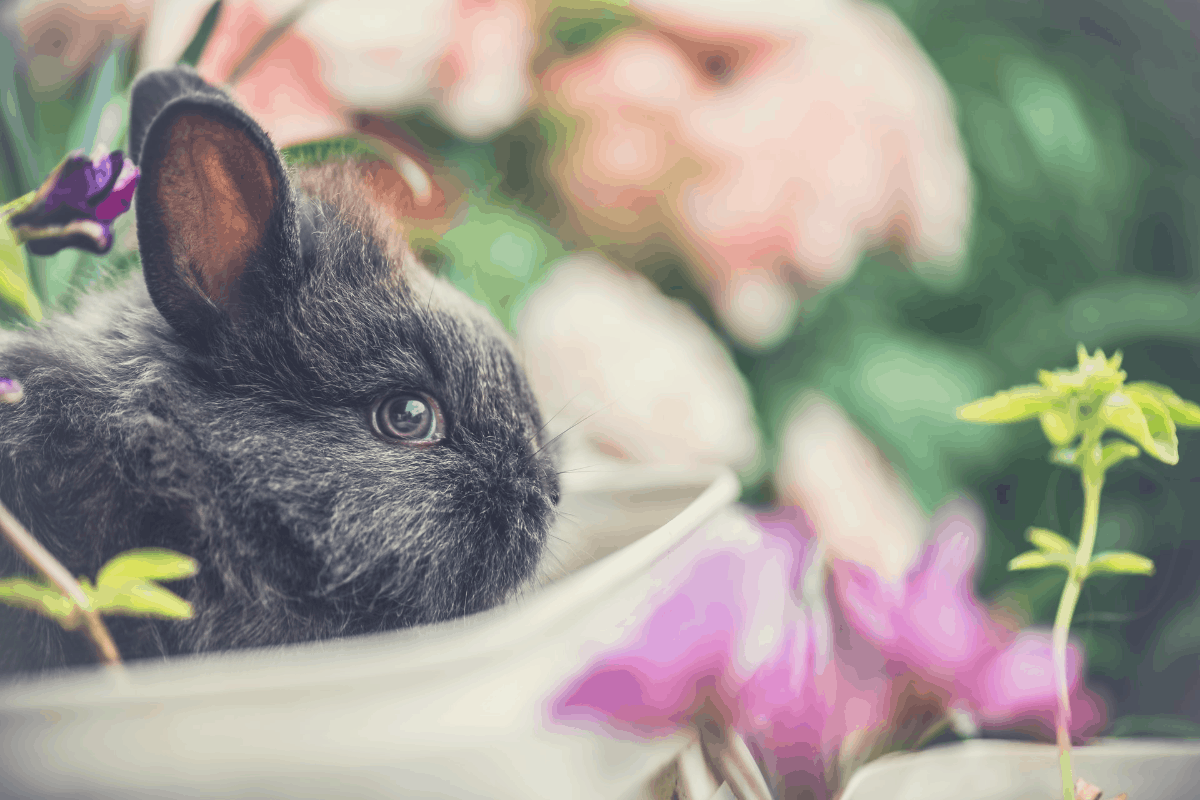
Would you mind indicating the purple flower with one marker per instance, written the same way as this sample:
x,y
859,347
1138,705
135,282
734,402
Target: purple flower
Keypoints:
x,y
934,626
11,391
802,679
76,205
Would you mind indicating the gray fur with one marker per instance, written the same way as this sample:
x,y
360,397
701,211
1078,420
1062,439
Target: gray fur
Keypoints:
x,y
248,447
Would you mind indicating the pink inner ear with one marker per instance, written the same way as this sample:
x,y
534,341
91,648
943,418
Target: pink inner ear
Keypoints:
x,y
216,194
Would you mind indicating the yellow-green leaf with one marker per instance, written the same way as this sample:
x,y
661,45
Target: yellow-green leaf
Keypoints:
x,y
1115,452
1058,425
1036,559
1013,405
1145,420
24,593
15,287
1158,419
1049,541
142,599
1182,411
146,564
1120,562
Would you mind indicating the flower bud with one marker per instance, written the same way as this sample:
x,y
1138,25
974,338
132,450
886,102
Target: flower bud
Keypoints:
x,y
76,205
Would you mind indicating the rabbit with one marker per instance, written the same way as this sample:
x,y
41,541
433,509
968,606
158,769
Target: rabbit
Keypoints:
x,y
345,442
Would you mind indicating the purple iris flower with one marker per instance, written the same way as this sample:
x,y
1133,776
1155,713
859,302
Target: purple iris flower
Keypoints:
x,y
76,205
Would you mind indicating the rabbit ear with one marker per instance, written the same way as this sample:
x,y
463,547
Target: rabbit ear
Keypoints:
x,y
151,93
215,213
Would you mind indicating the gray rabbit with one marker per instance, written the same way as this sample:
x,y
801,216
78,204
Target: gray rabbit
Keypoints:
x,y
345,442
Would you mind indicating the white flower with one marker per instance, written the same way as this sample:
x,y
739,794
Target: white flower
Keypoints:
x,y
632,373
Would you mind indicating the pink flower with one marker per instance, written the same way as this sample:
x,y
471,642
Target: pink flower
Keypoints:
x,y
63,38
465,60
700,640
932,623
770,150
860,508
731,633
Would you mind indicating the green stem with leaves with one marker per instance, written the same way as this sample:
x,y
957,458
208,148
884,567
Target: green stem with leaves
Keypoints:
x,y
1082,404
45,562
1092,484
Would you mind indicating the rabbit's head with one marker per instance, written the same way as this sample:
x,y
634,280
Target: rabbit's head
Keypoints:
x,y
381,445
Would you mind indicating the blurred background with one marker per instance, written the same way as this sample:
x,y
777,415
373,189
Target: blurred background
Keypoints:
x,y
788,236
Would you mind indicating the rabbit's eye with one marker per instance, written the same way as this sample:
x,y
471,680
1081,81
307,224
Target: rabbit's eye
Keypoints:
x,y
409,418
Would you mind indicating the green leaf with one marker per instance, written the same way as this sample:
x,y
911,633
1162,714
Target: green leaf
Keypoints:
x,y
15,142
1013,405
574,33
104,87
576,24
1036,559
1115,452
15,286
195,49
24,593
1182,411
1157,725
1054,123
1049,541
1061,380
1158,418
323,150
1145,420
142,599
146,564
1119,562
1058,425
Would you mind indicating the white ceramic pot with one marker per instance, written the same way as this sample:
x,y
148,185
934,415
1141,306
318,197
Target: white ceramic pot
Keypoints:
x,y
451,711
992,769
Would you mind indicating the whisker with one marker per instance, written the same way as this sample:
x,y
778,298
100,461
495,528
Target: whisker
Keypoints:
x,y
571,427
533,438
577,470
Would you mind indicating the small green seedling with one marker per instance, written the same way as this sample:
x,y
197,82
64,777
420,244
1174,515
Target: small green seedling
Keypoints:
x,y
1076,408
126,585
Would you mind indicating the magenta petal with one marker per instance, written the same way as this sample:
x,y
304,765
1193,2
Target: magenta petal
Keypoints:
x,y
81,183
932,623
714,629
1017,686
1020,679
869,603
119,199
619,695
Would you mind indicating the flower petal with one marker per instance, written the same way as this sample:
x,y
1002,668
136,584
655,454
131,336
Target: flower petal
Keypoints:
x,y
120,197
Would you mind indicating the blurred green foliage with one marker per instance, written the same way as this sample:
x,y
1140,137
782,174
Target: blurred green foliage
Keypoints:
x,y
1080,120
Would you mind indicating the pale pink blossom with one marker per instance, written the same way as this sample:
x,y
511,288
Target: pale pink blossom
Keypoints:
x,y
773,147
859,506
60,39
624,370
465,60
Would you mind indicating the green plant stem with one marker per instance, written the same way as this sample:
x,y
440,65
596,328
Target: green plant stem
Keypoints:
x,y
1092,484
45,562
